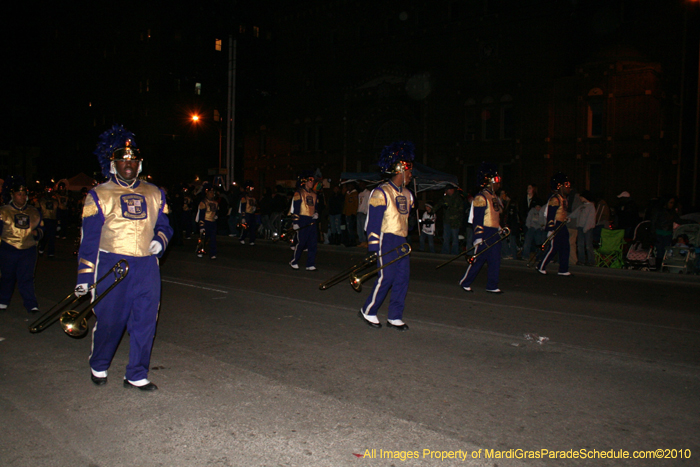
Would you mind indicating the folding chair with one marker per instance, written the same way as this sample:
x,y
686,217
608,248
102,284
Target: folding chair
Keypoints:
x,y
610,252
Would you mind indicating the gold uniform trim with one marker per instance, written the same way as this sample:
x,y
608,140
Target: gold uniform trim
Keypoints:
x,y
90,266
89,210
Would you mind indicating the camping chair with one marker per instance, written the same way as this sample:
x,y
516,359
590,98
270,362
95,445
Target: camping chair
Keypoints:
x,y
609,253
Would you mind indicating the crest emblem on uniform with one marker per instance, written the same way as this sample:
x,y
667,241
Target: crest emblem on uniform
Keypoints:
x,y
134,207
402,204
309,200
22,221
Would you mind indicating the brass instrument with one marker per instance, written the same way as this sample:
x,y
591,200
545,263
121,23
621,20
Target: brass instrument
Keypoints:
x,y
503,233
74,321
368,263
199,249
356,280
554,234
288,235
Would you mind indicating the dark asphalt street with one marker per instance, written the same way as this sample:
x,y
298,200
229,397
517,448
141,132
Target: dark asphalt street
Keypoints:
x,y
258,367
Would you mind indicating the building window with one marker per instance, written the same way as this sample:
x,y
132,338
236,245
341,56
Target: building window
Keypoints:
x,y
241,29
470,120
217,45
263,144
390,131
507,118
595,113
217,116
489,120
256,31
198,89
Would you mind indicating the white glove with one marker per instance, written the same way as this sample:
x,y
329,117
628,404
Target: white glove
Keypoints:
x,y
550,233
477,241
315,216
295,226
81,289
155,247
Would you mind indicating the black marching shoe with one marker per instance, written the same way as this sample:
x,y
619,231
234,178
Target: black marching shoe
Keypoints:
x,y
146,387
98,380
369,323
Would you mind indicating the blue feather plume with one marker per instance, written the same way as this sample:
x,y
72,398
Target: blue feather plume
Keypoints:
x,y
112,139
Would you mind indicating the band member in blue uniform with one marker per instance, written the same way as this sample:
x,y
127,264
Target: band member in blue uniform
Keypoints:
x,y
556,214
485,217
387,228
21,226
123,218
48,205
304,218
246,208
206,220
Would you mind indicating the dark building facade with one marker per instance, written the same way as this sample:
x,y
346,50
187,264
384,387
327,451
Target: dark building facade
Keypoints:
x,y
591,88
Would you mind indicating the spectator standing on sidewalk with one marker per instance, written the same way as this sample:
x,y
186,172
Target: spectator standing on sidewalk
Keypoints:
x,y
453,204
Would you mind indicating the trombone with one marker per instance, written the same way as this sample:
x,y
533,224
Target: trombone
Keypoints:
x,y
288,235
554,233
74,321
369,263
356,280
503,233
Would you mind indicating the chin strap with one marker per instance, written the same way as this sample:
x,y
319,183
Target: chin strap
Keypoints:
x,y
125,183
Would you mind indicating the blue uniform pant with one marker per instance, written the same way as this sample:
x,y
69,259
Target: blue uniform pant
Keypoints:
x,y
492,256
308,239
17,266
210,232
394,277
252,228
559,244
49,240
131,306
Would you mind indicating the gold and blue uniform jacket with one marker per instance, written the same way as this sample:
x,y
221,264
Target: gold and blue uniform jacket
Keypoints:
x,y
556,211
389,208
207,210
485,214
303,206
49,207
248,205
18,225
122,220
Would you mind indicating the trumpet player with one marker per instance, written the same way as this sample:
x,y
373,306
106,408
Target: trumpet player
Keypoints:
x,y
387,228
556,214
304,217
484,216
123,218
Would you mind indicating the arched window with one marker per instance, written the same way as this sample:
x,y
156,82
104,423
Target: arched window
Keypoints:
x,y
595,103
471,120
507,118
489,120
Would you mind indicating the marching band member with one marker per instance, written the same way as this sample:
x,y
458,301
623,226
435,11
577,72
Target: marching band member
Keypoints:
x,y
485,217
48,205
247,208
206,220
123,218
556,214
21,226
387,228
304,216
